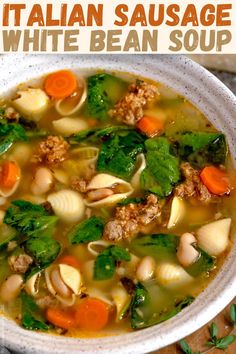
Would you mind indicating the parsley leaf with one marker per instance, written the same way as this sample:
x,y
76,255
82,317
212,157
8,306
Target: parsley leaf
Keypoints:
x,y
87,231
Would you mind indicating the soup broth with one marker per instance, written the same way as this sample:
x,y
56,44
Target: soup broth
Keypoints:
x,y
116,203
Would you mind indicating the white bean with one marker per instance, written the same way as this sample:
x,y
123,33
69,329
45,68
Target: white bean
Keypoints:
x,y
11,287
59,286
42,182
186,252
99,194
146,269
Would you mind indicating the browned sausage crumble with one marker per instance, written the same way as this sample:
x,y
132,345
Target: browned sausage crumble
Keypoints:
x,y
129,109
193,186
130,219
20,263
53,150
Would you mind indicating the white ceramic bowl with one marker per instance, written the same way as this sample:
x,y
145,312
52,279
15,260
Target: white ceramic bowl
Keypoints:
x,y
219,105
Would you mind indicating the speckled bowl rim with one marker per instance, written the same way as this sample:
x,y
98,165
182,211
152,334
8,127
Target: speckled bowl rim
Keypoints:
x,y
219,105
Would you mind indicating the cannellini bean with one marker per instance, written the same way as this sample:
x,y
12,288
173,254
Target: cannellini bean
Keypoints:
x,y
42,182
99,194
10,289
186,253
59,285
146,268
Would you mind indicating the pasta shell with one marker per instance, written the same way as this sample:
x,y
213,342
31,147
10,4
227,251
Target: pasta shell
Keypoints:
x,y
98,294
170,274
67,126
68,205
32,284
95,247
135,181
177,212
31,102
214,237
88,153
71,105
66,285
61,176
121,299
104,181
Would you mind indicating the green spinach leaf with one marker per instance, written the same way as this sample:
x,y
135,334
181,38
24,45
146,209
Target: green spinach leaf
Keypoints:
x,y
87,231
9,134
30,219
32,317
105,264
157,245
162,171
94,134
104,90
202,148
118,154
43,249
203,264
142,315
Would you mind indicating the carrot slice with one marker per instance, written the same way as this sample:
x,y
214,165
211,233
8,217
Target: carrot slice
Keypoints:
x,y
92,314
60,84
150,126
61,318
10,173
216,180
70,260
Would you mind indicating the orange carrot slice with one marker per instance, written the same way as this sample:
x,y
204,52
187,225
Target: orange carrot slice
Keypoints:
x,y
60,84
69,260
61,318
216,180
10,174
150,126
92,314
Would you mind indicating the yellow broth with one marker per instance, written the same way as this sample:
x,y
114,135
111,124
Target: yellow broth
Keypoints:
x,y
177,115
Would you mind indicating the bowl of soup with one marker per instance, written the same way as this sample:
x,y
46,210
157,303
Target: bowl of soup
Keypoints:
x,y
117,199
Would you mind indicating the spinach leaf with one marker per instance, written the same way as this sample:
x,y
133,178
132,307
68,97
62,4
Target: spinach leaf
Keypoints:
x,y
162,171
96,133
118,154
203,264
32,317
157,245
119,253
43,249
142,315
30,219
104,90
87,231
202,148
9,134
105,264
104,267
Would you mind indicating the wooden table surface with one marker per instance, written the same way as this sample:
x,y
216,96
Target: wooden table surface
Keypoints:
x,y
199,338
